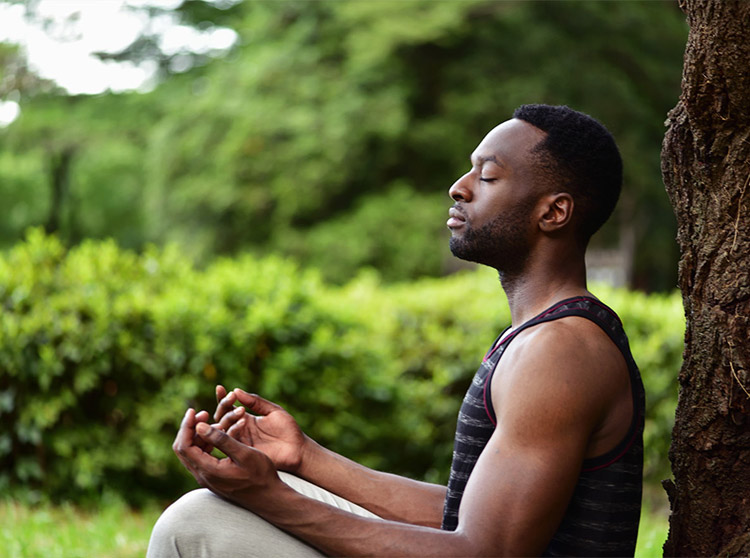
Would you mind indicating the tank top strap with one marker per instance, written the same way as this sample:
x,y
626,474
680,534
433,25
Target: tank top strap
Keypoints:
x,y
582,306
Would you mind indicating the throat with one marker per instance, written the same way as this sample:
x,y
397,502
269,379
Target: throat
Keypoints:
x,y
527,300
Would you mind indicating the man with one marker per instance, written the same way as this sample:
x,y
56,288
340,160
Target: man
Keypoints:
x,y
548,449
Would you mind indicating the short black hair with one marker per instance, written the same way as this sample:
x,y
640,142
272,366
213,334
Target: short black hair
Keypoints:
x,y
581,157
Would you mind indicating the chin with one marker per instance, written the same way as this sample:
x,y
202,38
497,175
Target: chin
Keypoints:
x,y
461,251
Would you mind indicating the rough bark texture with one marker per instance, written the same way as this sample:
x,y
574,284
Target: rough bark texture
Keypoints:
x,y
706,168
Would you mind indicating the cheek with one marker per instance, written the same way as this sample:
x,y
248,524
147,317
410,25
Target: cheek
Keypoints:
x,y
495,207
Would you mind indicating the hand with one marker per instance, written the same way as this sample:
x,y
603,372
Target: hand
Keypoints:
x,y
269,429
240,477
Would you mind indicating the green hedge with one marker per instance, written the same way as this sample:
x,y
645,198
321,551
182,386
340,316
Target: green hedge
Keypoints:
x,y
101,350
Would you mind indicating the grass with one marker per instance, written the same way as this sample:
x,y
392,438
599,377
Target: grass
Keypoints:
x,y
46,531
114,531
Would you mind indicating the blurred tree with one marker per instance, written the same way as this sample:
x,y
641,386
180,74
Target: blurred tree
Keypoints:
x,y
74,165
331,84
24,201
206,16
705,164
16,78
332,130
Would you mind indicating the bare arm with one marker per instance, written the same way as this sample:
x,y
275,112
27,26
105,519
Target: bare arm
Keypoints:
x,y
390,496
273,431
517,493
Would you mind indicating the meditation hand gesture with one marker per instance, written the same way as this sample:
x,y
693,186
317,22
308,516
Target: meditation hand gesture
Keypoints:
x,y
242,476
262,425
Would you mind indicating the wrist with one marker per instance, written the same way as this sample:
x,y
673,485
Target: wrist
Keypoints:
x,y
308,456
258,497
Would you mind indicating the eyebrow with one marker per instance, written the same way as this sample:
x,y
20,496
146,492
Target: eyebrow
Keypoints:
x,y
489,158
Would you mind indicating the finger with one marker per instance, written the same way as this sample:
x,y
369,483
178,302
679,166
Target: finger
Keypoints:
x,y
197,461
230,418
199,442
184,438
255,403
229,446
184,441
192,457
237,429
225,406
202,416
189,446
221,392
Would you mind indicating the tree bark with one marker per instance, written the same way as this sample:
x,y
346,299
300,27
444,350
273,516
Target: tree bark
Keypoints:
x,y
706,170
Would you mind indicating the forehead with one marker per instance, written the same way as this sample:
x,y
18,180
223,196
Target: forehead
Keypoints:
x,y
508,144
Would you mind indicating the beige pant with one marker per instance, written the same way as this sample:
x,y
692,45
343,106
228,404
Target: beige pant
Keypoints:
x,y
202,525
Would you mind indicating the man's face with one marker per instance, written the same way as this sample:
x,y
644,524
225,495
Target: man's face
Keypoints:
x,y
491,220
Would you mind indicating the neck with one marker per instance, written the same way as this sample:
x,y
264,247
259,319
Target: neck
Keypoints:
x,y
542,283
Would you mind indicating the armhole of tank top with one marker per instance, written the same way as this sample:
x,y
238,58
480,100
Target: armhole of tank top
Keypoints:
x,y
495,344
489,408
613,455
545,316
622,447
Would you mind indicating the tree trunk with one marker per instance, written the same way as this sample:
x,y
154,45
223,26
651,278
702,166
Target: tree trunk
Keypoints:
x,y
59,174
706,169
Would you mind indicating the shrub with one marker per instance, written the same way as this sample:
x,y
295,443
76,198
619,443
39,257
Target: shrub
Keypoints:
x,y
101,351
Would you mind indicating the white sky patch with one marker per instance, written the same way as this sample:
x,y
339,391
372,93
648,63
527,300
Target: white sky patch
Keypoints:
x,y
9,111
181,38
63,52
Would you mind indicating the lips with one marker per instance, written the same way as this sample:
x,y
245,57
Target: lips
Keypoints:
x,y
456,218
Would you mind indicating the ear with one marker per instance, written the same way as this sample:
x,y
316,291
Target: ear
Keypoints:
x,y
557,211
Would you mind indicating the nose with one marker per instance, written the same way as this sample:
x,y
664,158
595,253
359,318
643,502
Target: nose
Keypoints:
x,y
461,189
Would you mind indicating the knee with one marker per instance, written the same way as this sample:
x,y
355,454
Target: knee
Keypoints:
x,y
183,527
202,525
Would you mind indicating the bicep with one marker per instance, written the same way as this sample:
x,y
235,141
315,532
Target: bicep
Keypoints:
x,y
521,485
518,492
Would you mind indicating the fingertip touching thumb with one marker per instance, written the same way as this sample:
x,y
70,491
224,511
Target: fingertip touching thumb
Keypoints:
x,y
202,428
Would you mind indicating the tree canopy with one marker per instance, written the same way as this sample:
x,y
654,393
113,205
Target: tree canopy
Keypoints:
x,y
332,130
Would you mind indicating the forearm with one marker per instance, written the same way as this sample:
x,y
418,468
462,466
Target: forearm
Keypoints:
x,y
390,496
339,533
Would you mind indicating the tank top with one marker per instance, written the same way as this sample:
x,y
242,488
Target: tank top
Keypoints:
x,y
603,514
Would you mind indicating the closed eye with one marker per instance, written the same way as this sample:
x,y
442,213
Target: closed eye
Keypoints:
x,y
483,179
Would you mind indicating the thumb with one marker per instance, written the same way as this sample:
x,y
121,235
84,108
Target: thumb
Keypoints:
x,y
232,448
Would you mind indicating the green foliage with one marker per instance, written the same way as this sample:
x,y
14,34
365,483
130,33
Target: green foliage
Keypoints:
x,y
652,531
102,350
339,127
380,233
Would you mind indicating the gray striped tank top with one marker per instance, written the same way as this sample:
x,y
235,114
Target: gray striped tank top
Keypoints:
x,y
603,514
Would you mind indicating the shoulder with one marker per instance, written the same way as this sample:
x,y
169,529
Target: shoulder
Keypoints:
x,y
567,369
570,338
572,348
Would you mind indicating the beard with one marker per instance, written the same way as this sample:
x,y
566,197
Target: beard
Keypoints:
x,y
502,243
